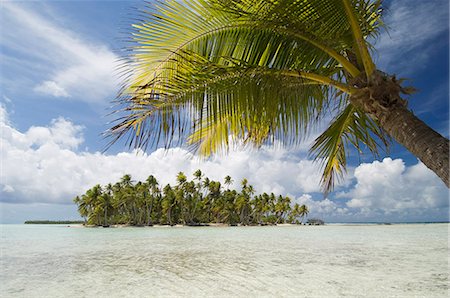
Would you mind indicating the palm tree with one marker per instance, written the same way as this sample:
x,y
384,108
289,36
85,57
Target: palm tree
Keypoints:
x,y
198,175
303,211
140,202
126,181
228,207
93,203
295,213
228,181
181,178
188,203
255,71
279,208
106,202
152,183
258,208
215,200
168,203
82,207
119,203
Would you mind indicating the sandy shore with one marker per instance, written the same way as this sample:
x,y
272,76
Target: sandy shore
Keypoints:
x,y
218,225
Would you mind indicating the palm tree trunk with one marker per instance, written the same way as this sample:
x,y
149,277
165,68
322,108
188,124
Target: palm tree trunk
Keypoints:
x,y
149,210
420,139
169,215
382,101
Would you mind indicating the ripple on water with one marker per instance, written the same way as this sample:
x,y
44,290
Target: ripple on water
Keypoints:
x,y
369,261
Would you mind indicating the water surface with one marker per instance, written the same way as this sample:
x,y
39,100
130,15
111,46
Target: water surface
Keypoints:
x,y
302,261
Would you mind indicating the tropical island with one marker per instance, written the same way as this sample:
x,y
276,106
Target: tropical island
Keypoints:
x,y
53,222
196,202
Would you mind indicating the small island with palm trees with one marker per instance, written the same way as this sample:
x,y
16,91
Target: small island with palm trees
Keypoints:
x,y
197,202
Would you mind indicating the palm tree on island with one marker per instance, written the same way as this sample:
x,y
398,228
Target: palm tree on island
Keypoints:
x,y
302,212
188,202
257,71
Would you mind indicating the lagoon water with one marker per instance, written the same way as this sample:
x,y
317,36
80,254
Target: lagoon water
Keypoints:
x,y
405,260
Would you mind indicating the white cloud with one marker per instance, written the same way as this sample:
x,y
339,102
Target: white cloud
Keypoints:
x,y
52,88
323,208
43,165
8,188
412,24
3,115
389,187
69,65
385,190
62,134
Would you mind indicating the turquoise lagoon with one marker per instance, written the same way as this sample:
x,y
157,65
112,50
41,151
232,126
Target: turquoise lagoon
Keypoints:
x,y
401,260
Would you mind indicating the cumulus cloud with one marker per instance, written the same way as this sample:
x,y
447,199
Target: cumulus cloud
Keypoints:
x,y
389,187
323,208
61,133
43,165
68,64
412,25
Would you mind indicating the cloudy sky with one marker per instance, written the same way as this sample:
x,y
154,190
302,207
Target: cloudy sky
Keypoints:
x,y
57,81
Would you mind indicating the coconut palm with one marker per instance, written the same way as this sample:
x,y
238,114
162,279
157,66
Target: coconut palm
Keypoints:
x,y
152,183
228,181
258,204
167,204
198,175
145,203
302,212
294,214
282,206
106,201
181,179
215,199
92,199
126,181
141,195
82,207
217,72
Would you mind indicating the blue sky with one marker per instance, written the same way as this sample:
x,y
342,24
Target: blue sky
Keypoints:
x,y
57,81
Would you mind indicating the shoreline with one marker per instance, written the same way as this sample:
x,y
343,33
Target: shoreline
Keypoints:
x,y
203,225
220,225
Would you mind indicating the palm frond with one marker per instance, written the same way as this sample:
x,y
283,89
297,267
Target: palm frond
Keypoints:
x,y
350,127
208,72
257,104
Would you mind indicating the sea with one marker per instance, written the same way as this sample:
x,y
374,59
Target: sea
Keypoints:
x,y
334,260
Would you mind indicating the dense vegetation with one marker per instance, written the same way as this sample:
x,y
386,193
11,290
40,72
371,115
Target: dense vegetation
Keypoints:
x,y
315,222
194,202
53,222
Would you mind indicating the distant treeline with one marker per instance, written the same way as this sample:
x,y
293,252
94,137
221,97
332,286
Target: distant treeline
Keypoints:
x,y
53,222
189,202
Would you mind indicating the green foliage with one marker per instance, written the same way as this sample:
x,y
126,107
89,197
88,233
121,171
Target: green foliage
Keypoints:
x,y
194,202
52,222
221,72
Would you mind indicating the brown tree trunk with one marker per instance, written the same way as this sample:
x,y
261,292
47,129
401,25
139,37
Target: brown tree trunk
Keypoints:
x,y
420,139
381,100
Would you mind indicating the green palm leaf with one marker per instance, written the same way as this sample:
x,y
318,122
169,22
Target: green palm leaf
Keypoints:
x,y
221,71
350,127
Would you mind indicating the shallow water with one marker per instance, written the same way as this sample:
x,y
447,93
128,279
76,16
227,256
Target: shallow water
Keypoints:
x,y
302,261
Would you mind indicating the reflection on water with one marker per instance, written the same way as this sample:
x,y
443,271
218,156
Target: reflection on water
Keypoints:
x,y
326,261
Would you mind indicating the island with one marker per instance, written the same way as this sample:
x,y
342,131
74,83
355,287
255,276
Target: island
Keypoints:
x,y
53,222
197,202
